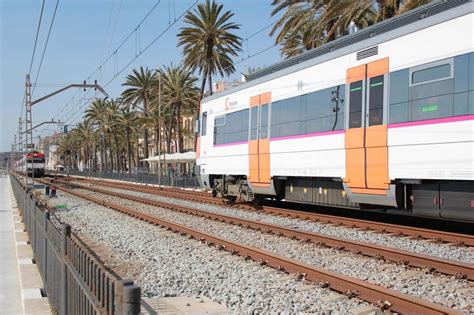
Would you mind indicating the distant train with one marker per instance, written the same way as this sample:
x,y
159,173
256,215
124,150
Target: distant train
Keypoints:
x,y
31,163
383,117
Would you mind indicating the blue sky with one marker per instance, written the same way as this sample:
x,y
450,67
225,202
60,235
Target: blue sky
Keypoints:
x,y
85,32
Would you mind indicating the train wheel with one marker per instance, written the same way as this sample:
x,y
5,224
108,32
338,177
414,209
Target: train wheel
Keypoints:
x,y
257,200
231,198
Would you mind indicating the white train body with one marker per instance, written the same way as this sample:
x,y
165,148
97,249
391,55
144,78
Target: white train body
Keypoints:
x,y
404,132
31,166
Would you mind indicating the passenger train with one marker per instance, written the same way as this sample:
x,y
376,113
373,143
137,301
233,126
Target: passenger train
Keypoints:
x,y
31,163
382,117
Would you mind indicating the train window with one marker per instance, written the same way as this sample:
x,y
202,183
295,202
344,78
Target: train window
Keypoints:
x,y
204,124
461,104
286,117
461,73
219,121
471,71
337,99
237,126
438,72
253,123
355,105
399,112
471,102
219,130
399,86
321,112
232,127
376,88
264,122
432,107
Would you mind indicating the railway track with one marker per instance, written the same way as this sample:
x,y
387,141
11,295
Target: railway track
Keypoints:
x,y
400,230
458,269
383,297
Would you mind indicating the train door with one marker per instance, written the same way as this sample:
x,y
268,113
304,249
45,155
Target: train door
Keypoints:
x,y
366,129
259,142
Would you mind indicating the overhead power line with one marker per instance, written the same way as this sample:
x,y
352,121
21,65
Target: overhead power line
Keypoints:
x,y
134,31
36,38
45,46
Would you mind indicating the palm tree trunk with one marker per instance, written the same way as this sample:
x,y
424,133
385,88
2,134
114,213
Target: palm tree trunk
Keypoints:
x,y
179,137
209,78
104,165
145,114
117,152
169,130
110,155
138,153
129,151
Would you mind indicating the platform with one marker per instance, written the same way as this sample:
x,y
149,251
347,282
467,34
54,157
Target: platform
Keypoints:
x,y
20,281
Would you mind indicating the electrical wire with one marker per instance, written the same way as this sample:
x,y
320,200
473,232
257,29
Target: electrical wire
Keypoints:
x,y
45,46
36,38
147,15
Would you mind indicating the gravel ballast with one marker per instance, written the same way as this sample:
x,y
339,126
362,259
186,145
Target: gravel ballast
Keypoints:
x,y
445,251
174,265
441,289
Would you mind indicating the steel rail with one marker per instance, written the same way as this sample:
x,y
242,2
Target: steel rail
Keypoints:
x,y
457,238
372,293
446,266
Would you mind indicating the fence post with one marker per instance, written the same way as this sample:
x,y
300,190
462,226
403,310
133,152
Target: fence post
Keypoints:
x,y
65,234
45,262
131,299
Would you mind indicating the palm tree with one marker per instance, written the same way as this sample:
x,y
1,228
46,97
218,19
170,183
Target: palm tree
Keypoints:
x,y
208,42
85,138
96,114
180,96
113,114
128,121
410,5
66,145
307,24
140,84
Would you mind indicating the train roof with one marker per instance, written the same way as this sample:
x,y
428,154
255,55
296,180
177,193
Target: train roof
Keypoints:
x,y
426,16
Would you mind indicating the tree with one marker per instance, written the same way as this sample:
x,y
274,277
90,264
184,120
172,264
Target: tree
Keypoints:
x,y
209,43
179,95
140,84
96,114
307,24
85,139
128,121
113,123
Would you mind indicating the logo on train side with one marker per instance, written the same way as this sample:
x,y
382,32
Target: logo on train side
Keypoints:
x,y
229,104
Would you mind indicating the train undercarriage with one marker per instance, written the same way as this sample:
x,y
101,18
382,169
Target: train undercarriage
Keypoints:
x,y
442,199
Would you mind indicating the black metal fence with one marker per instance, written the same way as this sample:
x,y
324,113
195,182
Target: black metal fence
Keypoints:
x,y
76,280
145,178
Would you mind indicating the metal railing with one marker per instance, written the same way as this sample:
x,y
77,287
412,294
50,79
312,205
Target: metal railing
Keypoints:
x,y
144,178
75,279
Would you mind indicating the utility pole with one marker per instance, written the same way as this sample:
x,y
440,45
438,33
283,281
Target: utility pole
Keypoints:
x,y
20,136
159,131
29,120
28,131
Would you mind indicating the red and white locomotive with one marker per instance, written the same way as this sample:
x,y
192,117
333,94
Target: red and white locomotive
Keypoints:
x,y
384,117
32,164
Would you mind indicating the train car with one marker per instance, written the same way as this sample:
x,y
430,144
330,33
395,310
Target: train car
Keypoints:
x,y
383,117
32,164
